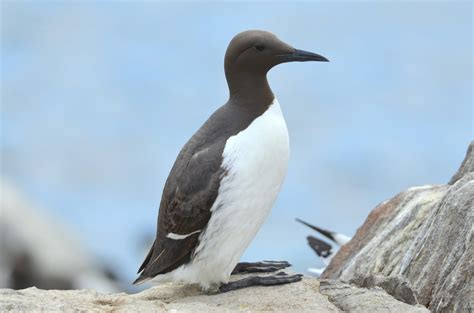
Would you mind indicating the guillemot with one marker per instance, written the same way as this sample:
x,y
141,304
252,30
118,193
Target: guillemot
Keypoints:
x,y
322,248
227,176
338,238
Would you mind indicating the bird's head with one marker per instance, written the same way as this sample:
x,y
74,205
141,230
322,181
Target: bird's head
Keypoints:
x,y
257,51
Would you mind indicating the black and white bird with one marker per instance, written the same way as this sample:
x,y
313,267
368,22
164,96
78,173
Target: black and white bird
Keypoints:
x,y
227,176
322,248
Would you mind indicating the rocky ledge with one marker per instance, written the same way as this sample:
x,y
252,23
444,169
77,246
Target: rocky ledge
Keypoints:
x,y
309,295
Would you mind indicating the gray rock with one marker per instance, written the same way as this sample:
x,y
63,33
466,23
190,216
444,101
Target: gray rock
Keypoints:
x,y
467,165
397,286
418,246
352,299
304,296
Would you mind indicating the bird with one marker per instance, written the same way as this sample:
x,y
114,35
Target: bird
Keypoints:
x,y
226,178
322,248
338,238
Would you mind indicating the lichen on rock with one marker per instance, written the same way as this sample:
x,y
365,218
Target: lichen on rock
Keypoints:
x,y
419,242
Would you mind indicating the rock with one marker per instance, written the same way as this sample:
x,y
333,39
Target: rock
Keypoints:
x,y
399,288
304,296
467,165
418,246
352,299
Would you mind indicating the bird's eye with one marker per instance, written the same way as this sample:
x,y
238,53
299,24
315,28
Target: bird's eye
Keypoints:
x,y
260,47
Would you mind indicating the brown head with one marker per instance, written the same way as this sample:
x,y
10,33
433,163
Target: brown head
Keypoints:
x,y
249,57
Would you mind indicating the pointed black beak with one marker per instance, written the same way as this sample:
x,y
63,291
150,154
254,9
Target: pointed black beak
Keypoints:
x,y
302,56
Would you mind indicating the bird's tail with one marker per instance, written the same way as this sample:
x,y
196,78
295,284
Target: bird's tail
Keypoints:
x,y
326,233
141,279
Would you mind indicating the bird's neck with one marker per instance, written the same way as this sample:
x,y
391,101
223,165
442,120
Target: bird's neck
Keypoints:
x,y
250,89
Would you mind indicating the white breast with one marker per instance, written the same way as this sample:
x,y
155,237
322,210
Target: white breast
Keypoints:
x,y
256,161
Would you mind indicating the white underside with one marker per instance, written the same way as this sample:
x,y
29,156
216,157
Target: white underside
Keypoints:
x,y
256,160
341,239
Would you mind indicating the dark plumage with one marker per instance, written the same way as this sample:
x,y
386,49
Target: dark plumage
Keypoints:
x,y
322,249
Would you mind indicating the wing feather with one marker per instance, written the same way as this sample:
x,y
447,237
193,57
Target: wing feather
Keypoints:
x,y
188,196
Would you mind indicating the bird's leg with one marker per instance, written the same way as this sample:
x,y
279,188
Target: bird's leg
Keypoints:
x,y
278,279
259,267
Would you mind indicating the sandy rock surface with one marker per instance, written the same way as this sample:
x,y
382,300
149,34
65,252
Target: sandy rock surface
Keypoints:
x,y
305,296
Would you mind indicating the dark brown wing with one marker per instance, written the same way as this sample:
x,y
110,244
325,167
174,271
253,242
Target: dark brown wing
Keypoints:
x,y
188,196
322,248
